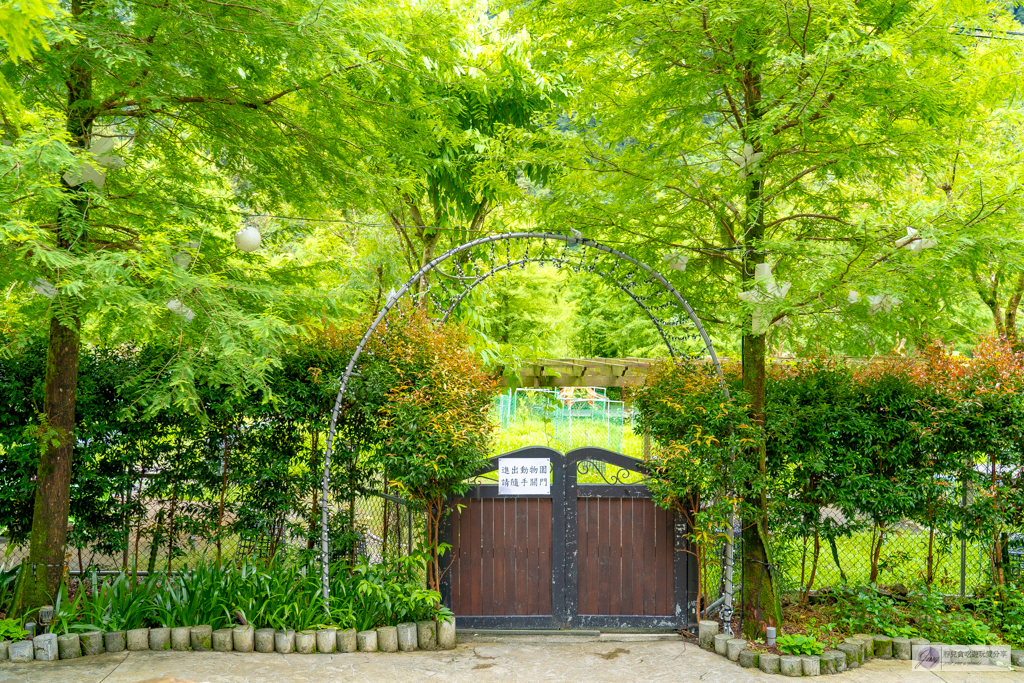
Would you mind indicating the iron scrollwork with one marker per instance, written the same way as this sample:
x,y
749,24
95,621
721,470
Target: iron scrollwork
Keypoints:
x,y
620,476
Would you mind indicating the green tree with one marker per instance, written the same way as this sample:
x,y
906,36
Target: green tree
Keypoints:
x,y
153,134
783,147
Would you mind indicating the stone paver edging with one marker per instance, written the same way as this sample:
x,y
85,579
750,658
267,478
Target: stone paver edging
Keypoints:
x,y
850,654
424,635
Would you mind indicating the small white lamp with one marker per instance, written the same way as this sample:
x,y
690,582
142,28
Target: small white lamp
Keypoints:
x,y
248,239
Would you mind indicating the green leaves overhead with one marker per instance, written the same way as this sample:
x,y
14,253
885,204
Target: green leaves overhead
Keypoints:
x,y
832,126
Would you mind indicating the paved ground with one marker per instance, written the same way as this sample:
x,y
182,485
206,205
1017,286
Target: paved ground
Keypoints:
x,y
608,658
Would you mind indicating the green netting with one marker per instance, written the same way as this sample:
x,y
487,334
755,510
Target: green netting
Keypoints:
x,y
566,418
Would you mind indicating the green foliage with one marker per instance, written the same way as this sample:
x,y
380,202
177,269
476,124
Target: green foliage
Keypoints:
x,y
1005,609
863,610
925,613
285,593
121,604
10,629
704,441
434,426
966,630
9,580
799,644
393,594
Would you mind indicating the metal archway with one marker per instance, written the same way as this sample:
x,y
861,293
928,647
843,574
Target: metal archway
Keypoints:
x,y
479,260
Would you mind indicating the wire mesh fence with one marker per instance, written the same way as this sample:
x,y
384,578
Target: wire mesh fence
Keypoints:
x,y
380,527
958,566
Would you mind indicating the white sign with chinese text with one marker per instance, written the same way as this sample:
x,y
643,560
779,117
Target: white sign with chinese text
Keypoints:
x,y
524,476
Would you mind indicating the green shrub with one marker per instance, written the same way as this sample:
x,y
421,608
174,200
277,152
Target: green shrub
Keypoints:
x,y
799,644
1006,610
862,609
10,629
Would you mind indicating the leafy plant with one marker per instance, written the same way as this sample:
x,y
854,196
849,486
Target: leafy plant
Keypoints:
x,y
966,630
799,644
195,596
1006,610
122,604
10,629
66,612
863,609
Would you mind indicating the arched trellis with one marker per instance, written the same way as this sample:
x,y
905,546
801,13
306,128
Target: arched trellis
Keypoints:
x,y
478,260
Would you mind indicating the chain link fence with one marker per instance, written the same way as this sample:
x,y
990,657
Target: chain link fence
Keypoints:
x,y
383,527
958,566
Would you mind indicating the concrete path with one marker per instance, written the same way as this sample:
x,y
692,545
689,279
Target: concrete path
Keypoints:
x,y
547,658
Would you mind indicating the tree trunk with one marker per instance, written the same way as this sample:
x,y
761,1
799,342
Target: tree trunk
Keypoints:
x,y
761,606
53,475
154,547
876,551
223,492
314,518
814,566
170,522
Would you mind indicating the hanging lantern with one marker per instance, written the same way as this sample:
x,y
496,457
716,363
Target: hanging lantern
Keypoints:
x,y
248,239
183,259
677,261
44,287
747,158
181,309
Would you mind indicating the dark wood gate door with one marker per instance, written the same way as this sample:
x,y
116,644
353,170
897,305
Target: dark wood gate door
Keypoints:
x,y
592,555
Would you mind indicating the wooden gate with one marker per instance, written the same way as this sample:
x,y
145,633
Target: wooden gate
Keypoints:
x,y
589,555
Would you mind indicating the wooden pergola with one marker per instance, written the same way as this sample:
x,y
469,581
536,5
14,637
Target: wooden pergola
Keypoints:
x,y
583,372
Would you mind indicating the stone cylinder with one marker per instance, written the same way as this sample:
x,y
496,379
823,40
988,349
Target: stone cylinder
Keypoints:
x,y
347,640
446,634
21,651
882,647
69,646
243,638
181,638
366,641
706,632
901,648
387,639
114,641
749,659
137,639
768,663
827,662
733,647
284,641
720,643
222,640
305,642
854,650
1017,657
407,638
159,639
327,640
867,645
201,637
264,640
811,665
791,665
45,647
426,634
92,643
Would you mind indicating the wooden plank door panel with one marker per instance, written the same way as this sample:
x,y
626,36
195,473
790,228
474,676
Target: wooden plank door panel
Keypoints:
x,y
627,568
501,557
